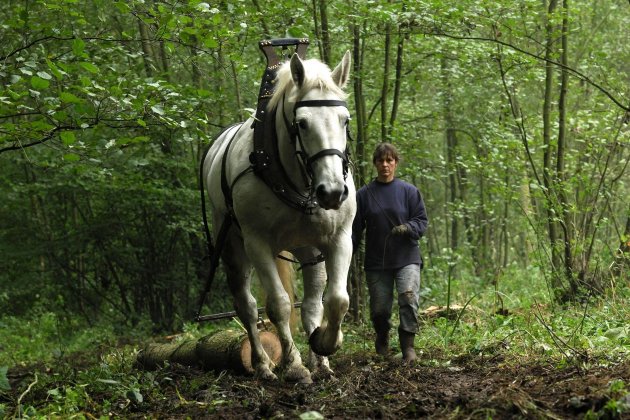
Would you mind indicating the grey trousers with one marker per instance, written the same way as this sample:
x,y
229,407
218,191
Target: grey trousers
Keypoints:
x,y
381,288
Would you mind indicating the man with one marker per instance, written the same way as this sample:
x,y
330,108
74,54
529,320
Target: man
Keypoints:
x,y
393,214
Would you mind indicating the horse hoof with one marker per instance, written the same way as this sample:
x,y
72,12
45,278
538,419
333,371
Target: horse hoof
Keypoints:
x,y
323,373
266,375
315,342
298,374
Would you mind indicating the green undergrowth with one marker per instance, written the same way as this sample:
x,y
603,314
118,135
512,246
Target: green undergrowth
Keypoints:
x,y
55,367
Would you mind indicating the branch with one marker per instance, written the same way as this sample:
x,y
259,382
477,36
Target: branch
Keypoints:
x,y
21,146
571,70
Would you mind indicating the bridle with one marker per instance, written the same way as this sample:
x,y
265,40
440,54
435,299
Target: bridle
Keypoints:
x,y
296,139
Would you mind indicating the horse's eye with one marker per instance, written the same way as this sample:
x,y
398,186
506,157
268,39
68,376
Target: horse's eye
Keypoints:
x,y
302,124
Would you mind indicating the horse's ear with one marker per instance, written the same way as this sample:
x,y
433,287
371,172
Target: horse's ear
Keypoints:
x,y
297,70
341,73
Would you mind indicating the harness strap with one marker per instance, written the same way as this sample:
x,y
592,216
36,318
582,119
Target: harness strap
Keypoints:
x,y
225,187
319,102
214,261
317,260
328,152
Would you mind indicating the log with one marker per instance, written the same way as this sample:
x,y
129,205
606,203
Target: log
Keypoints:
x,y
223,350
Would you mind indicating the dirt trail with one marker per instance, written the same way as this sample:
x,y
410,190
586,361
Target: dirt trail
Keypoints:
x,y
366,387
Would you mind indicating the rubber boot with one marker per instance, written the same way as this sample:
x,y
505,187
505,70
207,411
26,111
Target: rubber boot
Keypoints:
x,y
381,344
406,346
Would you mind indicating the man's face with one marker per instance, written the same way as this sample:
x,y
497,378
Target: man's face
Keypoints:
x,y
386,168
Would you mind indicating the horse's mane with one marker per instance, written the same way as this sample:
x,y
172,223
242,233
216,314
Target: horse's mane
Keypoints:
x,y
317,76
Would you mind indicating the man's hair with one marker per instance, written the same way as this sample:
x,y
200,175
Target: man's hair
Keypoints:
x,y
384,150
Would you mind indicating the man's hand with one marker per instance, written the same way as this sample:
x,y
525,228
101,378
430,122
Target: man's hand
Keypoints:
x,y
401,230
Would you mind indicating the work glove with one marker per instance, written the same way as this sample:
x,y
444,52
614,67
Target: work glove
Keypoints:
x,y
401,230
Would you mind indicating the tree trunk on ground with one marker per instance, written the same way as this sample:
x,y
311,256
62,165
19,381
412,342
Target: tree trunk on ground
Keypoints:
x,y
223,350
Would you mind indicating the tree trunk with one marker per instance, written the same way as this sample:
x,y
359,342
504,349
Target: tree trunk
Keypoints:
x,y
561,149
398,81
451,150
622,258
356,272
326,50
147,51
223,350
263,22
385,86
548,150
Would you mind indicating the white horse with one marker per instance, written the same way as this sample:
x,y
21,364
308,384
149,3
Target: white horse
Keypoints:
x,y
308,102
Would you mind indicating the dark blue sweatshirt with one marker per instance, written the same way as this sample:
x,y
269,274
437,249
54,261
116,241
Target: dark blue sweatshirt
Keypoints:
x,y
380,207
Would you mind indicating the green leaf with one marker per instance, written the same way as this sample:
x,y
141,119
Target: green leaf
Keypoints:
x,y
141,122
68,137
158,109
210,42
109,381
44,75
618,333
135,395
4,380
122,7
38,83
90,67
71,157
69,98
54,69
78,46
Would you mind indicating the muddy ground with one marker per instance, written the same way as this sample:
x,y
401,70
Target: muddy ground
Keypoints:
x,y
368,387
365,387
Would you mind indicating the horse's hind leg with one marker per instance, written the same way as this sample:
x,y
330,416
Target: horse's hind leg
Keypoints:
x,y
278,307
238,270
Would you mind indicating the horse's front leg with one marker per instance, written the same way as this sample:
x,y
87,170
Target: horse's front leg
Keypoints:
x,y
278,308
312,311
327,339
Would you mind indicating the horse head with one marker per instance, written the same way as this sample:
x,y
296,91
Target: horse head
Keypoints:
x,y
318,129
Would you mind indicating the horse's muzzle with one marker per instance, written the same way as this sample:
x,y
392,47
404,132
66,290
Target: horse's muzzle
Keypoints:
x,y
330,198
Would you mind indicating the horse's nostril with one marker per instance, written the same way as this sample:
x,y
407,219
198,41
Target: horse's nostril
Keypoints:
x,y
331,198
345,193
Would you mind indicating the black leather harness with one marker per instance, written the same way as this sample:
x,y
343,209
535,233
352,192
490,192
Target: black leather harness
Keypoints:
x,y
265,158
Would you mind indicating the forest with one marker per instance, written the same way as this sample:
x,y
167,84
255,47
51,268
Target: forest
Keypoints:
x,y
512,117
